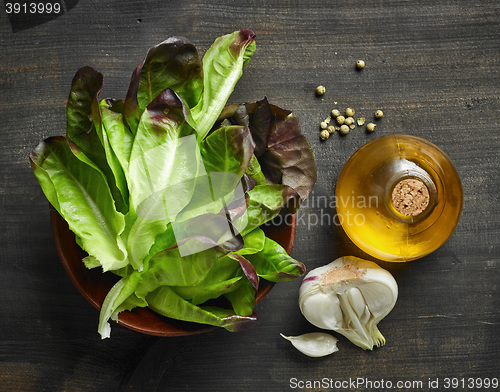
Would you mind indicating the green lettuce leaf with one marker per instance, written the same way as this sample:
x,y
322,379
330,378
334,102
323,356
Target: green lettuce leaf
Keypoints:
x,y
224,276
81,195
226,153
254,242
228,150
84,130
264,203
167,268
255,171
114,302
164,164
274,264
171,268
117,132
242,298
223,65
167,303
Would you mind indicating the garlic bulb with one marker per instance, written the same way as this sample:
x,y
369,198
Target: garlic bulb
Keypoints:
x,y
350,296
315,344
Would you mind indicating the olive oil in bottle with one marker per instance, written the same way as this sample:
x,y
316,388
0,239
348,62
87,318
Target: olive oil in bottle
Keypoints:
x,y
399,198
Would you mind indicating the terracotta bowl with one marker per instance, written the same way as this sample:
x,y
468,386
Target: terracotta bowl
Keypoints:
x,y
94,285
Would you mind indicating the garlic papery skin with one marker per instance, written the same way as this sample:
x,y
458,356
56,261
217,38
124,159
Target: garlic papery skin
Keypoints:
x,y
314,344
350,296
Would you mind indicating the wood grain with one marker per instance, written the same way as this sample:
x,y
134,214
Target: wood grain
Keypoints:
x,y
432,66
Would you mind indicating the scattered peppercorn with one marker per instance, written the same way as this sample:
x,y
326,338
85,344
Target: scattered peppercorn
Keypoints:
x,y
344,129
360,64
320,90
344,123
335,113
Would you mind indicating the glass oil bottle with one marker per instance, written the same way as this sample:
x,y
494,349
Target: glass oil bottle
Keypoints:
x,y
399,198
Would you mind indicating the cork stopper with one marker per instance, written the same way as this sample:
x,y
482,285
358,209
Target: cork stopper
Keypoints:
x,y
410,197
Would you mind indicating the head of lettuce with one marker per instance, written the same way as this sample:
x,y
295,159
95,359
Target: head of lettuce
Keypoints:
x,y
168,187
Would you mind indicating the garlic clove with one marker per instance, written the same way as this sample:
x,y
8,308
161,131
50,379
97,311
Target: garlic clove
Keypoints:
x,y
314,344
350,296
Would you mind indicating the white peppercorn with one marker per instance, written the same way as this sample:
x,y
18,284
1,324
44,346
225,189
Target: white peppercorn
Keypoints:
x,y
320,90
349,112
335,113
344,129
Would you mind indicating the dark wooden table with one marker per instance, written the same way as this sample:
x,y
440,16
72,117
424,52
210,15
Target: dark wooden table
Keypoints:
x,y
433,67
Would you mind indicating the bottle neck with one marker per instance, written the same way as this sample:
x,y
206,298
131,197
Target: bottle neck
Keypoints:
x,y
411,194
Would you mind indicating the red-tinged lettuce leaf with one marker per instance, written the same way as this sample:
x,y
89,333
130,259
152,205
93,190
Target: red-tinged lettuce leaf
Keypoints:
x,y
131,110
274,264
84,130
82,112
217,227
247,269
235,209
258,116
247,182
173,64
162,122
261,123
289,159
284,154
